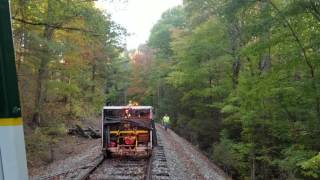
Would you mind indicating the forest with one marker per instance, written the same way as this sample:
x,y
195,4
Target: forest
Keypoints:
x,y
239,78
66,52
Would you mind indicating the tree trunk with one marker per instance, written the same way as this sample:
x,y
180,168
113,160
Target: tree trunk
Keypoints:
x,y
253,168
43,70
235,71
265,62
93,75
234,33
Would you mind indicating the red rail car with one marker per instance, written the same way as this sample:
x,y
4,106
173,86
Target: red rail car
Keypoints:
x,y
127,130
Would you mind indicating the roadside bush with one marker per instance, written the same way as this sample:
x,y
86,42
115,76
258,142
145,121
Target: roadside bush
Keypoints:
x,y
232,157
311,167
39,143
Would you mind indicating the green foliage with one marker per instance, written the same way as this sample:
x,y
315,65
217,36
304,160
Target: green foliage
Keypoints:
x,y
233,157
247,81
294,156
68,53
67,50
161,37
311,167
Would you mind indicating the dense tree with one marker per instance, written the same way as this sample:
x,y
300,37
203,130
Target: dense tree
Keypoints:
x,y
245,81
68,53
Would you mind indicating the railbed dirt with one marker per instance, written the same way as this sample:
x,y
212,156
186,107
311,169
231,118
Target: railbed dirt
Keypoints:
x,y
87,151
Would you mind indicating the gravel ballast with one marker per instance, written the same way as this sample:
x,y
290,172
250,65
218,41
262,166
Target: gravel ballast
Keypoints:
x,y
185,161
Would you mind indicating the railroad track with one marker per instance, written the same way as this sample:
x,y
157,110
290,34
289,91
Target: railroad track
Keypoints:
x,y
154,168
79,173
121,168
159,167
124,168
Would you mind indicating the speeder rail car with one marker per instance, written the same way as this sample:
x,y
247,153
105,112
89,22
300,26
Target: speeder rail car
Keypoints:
x,y
127,130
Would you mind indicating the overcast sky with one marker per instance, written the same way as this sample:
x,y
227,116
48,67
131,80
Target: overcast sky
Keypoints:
x,y
137,16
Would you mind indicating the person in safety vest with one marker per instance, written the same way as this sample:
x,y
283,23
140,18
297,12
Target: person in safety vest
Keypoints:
x,y
166,121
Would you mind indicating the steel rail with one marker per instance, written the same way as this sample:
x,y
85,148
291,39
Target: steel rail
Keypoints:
x,y
149,169
93,168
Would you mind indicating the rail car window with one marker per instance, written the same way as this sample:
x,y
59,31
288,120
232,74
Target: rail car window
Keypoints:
x,y
117,114
141,113
112,114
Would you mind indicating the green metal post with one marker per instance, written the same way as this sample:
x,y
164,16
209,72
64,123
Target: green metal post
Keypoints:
x,y
9,94
12,146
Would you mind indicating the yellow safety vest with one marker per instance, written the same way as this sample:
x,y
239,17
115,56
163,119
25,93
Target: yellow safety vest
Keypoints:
x,y
166,119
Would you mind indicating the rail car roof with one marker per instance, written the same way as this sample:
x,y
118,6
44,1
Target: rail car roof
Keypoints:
x,y
125,107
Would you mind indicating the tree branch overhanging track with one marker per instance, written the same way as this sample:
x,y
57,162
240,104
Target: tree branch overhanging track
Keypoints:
x,y
56,26
296,37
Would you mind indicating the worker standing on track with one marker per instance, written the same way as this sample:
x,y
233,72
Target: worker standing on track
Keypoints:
x,y
166,121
